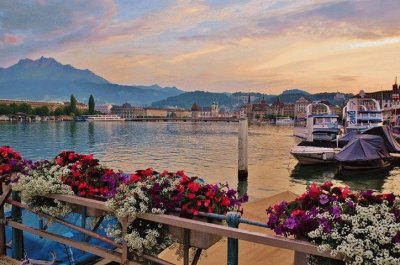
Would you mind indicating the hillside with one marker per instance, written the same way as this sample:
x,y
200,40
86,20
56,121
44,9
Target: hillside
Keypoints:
x,y
47,79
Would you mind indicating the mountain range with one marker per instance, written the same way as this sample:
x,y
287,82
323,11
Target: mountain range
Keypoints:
x,y
47,79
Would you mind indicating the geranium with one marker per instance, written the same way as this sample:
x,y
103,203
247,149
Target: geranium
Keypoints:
x,y
362,226
11,163
87,177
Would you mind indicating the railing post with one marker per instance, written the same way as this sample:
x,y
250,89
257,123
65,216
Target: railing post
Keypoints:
x,y
232,218
83,221
300,258
2,227
17,235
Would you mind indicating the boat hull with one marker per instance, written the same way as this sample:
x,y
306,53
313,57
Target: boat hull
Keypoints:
x,y
308,155
365,165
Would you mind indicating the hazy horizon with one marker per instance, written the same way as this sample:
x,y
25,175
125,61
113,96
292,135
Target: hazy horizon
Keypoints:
x,y
217,46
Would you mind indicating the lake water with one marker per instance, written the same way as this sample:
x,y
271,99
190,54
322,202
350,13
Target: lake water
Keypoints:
x,y
207,150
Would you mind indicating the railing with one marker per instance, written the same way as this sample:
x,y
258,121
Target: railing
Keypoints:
x,y
120,253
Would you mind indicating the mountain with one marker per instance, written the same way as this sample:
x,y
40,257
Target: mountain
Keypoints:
x,y
202,98
235,100
47,79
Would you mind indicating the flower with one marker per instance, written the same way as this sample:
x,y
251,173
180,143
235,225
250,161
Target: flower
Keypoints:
x,y
362,226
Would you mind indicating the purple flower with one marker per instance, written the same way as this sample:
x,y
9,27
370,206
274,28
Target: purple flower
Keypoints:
x,y
290,223
336,212
323,199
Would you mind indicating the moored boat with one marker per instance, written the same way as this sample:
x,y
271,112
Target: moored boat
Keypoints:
x,y
361,114
310,155
284,121
364,152
321,124
104,118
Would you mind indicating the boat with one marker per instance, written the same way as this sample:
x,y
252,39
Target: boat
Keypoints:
x,y
321,124
364,152
104,118
80,118
311,155
284,121
362,113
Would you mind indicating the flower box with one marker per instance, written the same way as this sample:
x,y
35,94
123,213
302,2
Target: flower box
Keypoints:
x,y
90,212
197,239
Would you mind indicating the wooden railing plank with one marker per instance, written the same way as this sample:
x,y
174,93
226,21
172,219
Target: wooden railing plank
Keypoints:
x,y
241,234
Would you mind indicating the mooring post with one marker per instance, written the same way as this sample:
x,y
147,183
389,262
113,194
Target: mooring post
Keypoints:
x,y
242,160
232,219
17,235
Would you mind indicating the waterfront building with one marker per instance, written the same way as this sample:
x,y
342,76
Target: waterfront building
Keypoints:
x,y
205,112
80,106
300,107
277,107
127,111
179,113
105,108
288,110
34,104
256,110
155,112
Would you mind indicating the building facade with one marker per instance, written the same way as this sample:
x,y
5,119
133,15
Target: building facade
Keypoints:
x,y
127,111
300,107
105,109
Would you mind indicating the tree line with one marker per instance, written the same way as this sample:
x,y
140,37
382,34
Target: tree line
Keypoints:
x,y
70,110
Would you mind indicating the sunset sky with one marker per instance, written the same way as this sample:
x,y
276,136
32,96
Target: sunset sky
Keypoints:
x,y
228,45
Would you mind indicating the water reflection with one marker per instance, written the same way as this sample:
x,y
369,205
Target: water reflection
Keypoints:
x,y
372,179
91,138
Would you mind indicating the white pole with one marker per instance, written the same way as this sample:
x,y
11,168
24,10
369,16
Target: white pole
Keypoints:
x,y
242,159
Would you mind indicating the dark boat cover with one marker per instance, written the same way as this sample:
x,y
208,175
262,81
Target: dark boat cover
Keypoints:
x,y
345,139
390,141
364,148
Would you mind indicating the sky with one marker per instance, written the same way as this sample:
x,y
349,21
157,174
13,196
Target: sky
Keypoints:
x,y
215,45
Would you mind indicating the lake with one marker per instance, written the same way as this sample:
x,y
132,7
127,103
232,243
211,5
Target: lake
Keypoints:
x,y
204,149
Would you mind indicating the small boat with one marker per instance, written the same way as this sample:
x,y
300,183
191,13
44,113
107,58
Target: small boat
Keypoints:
x,y
310,155
361,114
284,121
321,124
104,118
80,118
364,152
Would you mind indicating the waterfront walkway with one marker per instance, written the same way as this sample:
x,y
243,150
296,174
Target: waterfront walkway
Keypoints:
x,y
249,253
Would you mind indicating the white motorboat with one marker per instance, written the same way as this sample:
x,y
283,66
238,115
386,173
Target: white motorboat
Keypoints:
x,y
321,124
310,155
361,114
284,121
104,118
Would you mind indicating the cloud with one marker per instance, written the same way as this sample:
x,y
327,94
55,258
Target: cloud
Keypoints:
x,y
344,78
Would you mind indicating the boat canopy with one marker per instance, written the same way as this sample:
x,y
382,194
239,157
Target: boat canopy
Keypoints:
x,y
345,139
364,148
386,134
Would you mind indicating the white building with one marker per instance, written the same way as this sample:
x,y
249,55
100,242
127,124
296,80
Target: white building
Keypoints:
x,y
105,109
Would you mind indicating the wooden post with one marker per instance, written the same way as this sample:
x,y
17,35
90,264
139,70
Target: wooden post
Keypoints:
x,y
300,258
17,235
242,160
2,228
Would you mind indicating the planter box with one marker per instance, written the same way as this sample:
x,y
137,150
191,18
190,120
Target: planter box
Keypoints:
x,y
197,239
90,212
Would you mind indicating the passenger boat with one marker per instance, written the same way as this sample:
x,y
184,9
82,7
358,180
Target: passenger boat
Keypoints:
x,y
284,121
361,114
321,124
104,118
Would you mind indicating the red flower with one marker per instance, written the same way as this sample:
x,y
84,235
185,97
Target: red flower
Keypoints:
x,y
193,187
314,191
297,212
191,196
225,201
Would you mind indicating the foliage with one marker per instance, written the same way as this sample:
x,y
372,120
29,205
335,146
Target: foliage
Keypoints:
x,y
91,104
363,226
